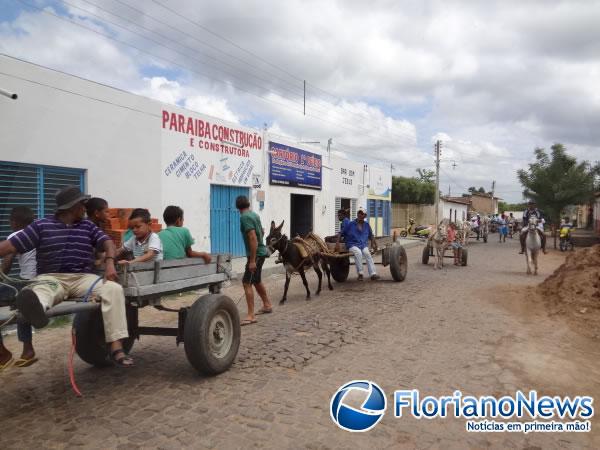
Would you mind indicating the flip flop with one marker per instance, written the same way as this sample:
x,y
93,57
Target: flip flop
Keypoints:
x,y
24,362
264,311
7,365
245,322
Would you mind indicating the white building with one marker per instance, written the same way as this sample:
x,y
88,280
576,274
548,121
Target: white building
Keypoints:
x,y
137,152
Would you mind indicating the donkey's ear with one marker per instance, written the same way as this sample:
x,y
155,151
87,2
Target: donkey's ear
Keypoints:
x,y
272,224
281,225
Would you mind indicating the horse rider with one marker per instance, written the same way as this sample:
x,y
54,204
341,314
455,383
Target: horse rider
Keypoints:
x,y
532,211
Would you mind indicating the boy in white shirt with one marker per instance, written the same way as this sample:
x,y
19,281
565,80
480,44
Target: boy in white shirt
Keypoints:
x,y
20,217
145,245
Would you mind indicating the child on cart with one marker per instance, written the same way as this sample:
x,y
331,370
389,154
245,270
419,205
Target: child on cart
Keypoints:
x,y
176,239
20,217
145,245
454,243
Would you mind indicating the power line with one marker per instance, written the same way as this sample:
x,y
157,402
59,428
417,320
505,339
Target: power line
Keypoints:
x,y
184,67
56,88
230,42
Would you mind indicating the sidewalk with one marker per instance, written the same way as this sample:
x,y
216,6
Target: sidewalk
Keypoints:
x,y
269,267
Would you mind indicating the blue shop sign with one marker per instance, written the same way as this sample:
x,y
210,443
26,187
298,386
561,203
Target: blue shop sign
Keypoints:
x,y
289,166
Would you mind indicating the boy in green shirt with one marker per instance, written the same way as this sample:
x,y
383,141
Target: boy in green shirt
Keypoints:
x,y
176,239
256,251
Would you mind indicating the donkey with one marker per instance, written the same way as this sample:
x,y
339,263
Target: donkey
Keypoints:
x,y
437,241
533,244
294,262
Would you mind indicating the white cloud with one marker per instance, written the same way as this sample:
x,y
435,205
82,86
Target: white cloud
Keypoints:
x,y
493,80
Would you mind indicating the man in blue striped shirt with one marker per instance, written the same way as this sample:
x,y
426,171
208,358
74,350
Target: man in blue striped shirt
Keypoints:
x,y
65,246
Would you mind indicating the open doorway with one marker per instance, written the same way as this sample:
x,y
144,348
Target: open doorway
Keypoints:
x,y
301,214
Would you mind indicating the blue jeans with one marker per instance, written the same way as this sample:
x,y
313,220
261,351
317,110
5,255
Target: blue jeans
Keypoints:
x,y
24,332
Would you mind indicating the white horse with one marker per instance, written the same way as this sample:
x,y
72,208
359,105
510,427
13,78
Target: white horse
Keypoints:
x,y
533,244
438,242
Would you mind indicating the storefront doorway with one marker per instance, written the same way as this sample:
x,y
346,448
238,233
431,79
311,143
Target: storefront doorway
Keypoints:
x,y
301,214
225,235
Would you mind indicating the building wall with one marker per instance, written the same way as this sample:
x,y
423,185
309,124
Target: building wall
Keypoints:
x,y
47,126
402,212
134,154
450,207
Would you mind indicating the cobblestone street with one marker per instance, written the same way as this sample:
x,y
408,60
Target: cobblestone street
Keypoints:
x,y
463,328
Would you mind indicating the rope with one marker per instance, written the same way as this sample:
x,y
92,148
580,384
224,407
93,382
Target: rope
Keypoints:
x,y
74,344
71,369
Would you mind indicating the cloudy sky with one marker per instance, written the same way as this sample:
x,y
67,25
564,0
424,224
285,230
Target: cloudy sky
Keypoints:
x,y
384,79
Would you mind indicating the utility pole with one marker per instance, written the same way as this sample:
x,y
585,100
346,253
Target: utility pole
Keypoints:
x,y
304,97
438,153
493,189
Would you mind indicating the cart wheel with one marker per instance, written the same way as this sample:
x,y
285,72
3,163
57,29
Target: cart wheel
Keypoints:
x,y
212,334
398,263
464,256
340,268
90,343
425,256
403,234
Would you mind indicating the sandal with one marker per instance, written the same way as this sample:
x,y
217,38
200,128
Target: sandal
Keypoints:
x,y
264,311
124,361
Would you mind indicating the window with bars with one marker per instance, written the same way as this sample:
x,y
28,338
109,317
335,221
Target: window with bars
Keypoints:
x,y
34,186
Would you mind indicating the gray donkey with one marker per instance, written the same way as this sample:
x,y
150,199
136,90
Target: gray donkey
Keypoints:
x,y
295,262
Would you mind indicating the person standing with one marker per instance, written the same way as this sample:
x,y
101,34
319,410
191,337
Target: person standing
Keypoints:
x,y
256,252
357,235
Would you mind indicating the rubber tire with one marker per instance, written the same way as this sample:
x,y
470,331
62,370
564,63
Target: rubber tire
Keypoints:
x,y
90,344
197,328
403,234
485,238
425,256
464,256
340,269
398,263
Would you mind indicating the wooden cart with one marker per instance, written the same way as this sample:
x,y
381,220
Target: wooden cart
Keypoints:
x,y
209,328
392,254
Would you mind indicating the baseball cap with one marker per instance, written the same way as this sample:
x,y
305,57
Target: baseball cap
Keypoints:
x,y
362,209
69,196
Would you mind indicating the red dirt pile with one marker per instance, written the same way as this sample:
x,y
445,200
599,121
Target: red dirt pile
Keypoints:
x,y
574,289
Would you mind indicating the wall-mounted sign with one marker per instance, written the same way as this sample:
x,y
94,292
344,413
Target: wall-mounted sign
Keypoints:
x,y
289,166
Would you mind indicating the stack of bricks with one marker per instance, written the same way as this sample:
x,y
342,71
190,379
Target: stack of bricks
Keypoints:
x,y
118,224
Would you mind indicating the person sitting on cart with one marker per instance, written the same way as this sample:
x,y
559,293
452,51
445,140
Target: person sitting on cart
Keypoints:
x,y
176,239
145,245
454,243
357,234
96,209
20,217
64,244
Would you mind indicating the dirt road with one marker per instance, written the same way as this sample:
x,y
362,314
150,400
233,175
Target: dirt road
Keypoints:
x,y
467,328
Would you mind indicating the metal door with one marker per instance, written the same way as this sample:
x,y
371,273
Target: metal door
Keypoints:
x,y
225,236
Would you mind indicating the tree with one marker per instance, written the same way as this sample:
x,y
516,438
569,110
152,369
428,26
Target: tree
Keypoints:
x,y
481,190
412,190
556,181
426,175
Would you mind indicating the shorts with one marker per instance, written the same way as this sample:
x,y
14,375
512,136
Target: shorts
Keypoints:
x,y
455,245
254,278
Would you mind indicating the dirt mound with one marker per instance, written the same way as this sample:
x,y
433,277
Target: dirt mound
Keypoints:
x,y
574,288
